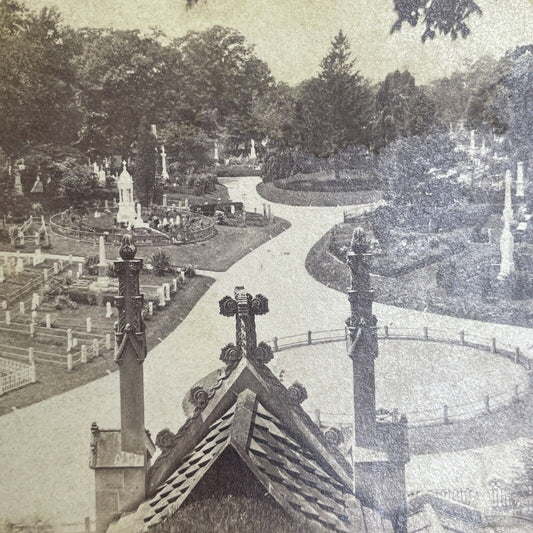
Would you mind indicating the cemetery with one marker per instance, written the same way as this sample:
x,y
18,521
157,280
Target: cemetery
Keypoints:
x,y
459,241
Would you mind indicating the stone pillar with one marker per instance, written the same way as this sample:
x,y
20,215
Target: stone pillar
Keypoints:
x,y
164,200
121,485
363,342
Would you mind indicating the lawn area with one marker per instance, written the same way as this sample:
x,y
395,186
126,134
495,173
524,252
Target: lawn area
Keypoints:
x,y
418,289
220,194
270,192
216,254
54,379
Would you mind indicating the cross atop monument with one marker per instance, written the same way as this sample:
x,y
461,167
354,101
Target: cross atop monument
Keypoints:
x,y
245,308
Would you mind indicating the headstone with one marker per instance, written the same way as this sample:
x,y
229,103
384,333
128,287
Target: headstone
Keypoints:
x,y
108,310
56,268
253,155
520,179
161,296
8,318
4,304
80,268
164,171
34,301
166,288
182,275
164,200
45,274
175,284
48,320
186,203
22,308
151,308
507,265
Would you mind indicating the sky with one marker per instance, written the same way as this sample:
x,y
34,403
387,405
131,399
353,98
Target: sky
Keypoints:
x,y
292,36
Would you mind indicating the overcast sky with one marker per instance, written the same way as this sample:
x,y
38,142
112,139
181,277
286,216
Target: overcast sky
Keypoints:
x,y
292,36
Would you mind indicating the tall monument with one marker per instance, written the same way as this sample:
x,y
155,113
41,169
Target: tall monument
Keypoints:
x,y
164,171
17,168
507,265
253,154
126,205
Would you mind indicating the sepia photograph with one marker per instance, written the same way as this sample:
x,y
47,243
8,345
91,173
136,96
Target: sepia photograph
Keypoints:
x,y
266,266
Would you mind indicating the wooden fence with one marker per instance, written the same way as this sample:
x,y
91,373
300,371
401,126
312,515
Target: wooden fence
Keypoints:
x,y
14,375
434,416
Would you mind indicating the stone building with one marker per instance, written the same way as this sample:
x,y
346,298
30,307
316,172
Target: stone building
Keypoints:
x,y
247,436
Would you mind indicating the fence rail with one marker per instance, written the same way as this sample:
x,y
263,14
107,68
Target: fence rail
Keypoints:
x,y
444,414
14,375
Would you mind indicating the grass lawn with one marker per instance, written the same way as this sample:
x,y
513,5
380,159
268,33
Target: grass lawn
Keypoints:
x,y
418,290
54,379
216,254
331,198
219,194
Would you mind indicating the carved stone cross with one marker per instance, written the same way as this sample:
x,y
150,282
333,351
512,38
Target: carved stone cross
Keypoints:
x,y
245,307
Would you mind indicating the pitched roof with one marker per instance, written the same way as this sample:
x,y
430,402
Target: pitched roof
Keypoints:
x,y
288,471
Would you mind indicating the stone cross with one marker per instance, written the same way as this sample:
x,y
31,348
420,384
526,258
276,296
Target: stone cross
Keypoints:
x,y
244,308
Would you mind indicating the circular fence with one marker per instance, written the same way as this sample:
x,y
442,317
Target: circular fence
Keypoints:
x,y
198,228
442,414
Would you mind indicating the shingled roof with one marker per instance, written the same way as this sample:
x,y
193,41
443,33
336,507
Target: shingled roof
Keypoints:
x,y
246,428
285,469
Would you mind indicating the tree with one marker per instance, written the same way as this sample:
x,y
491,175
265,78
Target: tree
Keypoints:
x,y
121,76
36,79
333,109
447,17
401,109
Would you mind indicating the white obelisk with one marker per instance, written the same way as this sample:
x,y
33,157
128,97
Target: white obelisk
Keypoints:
x,y
520,179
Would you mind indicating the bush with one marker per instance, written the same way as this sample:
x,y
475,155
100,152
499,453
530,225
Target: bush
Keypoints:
x,y
161,263
91,264
80,296
189,272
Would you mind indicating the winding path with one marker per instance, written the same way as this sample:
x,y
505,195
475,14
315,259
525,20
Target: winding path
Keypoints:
x,y
45,447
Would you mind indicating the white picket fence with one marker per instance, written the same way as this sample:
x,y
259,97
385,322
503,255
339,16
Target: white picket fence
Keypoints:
x,y
14,375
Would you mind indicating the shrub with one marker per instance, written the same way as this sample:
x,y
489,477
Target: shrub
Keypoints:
x,y
189,272
161,263
91,264
80,296
64,302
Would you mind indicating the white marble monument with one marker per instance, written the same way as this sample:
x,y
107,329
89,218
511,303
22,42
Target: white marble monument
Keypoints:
x,y
126,205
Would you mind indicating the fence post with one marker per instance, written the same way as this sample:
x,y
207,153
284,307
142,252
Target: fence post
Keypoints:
x,y
89,325
386,331
22,308
309,339
275,343
462,337
33,373
445,414
32,330
426,333
31,357
83,353
47,320
8,318
108,341
487,404
96,349
69,340
493,345
69,361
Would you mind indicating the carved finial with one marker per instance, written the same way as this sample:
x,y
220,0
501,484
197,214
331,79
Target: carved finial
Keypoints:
x,y
127,248
360,242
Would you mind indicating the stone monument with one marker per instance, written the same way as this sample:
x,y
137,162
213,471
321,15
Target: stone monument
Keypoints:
x,y
126,206
508,202
17,187
253,155
164,171
507,265
102,281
